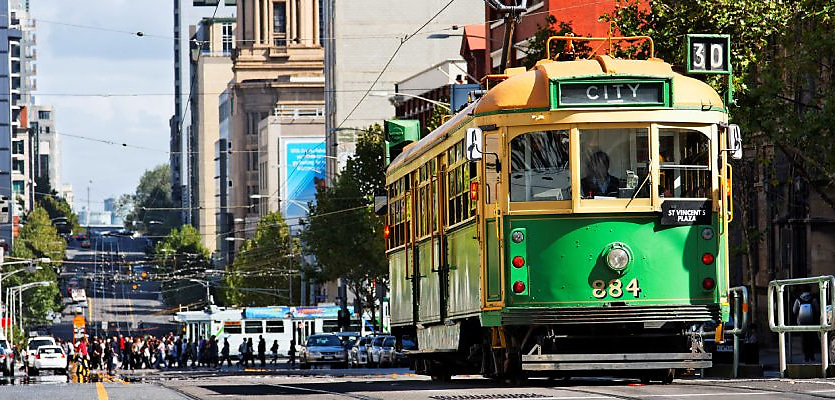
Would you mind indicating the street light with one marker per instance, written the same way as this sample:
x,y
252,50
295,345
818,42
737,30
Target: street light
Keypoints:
x,y
393,98
232,239
205,283
18,291
30,268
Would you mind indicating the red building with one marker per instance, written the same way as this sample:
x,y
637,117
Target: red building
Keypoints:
x,y
482,45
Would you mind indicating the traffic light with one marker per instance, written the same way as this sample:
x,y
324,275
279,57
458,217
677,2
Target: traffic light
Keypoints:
x,y
343,318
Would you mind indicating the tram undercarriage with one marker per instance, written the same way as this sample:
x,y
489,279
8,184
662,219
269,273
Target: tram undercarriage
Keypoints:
x,y
649,351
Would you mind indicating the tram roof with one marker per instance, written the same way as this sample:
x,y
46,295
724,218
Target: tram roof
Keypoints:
x,y
530,90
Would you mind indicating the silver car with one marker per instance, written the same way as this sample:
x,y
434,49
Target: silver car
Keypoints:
x,y
323,349
360,351
383,351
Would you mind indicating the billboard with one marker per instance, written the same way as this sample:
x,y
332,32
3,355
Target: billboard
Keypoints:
x,y
304,166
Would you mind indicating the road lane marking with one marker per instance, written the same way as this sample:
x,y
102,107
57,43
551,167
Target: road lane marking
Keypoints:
x,y
360,397
100,391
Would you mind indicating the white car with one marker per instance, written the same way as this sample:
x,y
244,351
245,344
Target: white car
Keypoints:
x,y
50,358
32,348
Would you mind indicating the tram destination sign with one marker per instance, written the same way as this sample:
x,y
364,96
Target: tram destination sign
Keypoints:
x,y
686,212
620,93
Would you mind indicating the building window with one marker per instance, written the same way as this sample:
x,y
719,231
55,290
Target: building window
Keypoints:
x,y
18,165
322,23
43,114
227,39
280,23
17,187
18,147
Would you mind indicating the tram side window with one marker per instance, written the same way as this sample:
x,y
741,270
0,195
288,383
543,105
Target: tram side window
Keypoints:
x,y
232,327
253,327
539,169
685,163
425,222
275,326
614,163
459,176
399,215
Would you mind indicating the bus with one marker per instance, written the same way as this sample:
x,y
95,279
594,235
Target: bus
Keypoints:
x,y
281,323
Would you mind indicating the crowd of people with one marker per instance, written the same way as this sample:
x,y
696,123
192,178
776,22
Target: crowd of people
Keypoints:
x,y
167,352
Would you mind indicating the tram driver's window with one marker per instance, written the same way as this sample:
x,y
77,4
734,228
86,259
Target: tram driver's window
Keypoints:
x,y
684,157
614,163
539,167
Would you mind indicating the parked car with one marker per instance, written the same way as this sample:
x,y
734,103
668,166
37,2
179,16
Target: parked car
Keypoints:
x,y
32,349
360,351
85,244
324,349
348,339
50,358
7,359
383,351
406,344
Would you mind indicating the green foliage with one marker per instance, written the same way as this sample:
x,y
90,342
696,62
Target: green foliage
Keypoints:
x,y
152,205
343,233
537,44
782,56
265,266
38,239
436,119
57,207
181,255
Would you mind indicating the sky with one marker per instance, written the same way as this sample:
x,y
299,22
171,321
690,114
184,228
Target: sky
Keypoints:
x,y
72,61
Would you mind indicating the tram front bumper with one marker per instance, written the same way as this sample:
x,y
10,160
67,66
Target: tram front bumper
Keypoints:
x,y
624,361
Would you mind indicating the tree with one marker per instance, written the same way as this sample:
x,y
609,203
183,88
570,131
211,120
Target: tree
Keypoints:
x,y
343,233
537,44
38,239
153,210
437,118
60,213
181,256
265,266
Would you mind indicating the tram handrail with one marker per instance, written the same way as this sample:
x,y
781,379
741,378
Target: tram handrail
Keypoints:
x,y
826,284
570,39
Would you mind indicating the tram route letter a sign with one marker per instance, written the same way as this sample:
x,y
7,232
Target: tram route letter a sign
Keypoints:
x,y
708,54
686,212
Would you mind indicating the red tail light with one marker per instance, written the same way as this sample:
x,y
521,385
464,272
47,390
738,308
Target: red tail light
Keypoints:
x,y
707,259
473,191
386,231
37,356
518,262
709,284
518,287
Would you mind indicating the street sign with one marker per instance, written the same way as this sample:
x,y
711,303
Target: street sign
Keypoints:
x,y
708,54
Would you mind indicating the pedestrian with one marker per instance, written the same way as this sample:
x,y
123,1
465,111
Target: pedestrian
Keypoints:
x,y
108,357
806,311
262,351
242,354
250,352
213,352
274,352
292,353
224,353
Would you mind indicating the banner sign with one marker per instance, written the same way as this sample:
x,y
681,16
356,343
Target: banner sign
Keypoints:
x,y
305,166
609,93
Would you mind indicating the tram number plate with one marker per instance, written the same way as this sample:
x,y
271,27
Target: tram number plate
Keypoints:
x,y
614,288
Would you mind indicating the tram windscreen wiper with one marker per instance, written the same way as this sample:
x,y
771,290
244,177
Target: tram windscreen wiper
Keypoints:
x,y
641,186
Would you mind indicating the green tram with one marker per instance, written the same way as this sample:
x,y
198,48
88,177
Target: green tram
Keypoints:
x,y
573,220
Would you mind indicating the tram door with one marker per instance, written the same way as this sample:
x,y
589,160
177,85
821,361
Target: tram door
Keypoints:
x,y
303,330
439,245
490,220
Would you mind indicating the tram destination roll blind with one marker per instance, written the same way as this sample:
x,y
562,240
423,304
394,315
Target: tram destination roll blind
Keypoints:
x,y
639,93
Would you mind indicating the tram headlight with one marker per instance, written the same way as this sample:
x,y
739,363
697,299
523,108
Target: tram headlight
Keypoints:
x,y
517,236
707,233
617,256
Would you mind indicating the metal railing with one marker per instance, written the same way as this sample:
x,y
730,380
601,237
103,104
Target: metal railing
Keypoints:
x,y
776,289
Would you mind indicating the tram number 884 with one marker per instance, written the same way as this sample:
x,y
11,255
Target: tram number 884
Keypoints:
x,y
615,288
